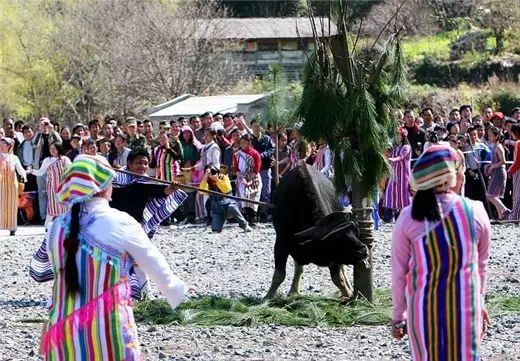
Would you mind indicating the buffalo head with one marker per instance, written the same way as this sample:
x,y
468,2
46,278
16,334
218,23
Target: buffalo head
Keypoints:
x,y
334,240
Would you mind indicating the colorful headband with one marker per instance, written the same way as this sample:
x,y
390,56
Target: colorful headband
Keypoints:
x,y
84,178
434,168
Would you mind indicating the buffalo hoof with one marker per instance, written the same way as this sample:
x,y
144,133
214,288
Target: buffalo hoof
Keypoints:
x,y
271,295
345,299
293,294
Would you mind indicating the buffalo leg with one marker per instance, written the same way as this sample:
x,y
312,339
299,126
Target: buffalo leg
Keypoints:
x,y
295,285
340,281
347,280
280,262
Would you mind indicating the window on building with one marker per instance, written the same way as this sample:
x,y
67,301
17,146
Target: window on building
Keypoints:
x,y
250,45
268,45
289,44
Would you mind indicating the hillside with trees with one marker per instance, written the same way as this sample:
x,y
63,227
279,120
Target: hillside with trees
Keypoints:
x,y
75,59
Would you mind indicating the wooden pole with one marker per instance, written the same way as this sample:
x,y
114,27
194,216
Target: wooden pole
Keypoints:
x,y
185,186
276,167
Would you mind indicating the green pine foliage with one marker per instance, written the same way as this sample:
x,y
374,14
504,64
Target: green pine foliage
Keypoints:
x,y
349,101
281,101
310,311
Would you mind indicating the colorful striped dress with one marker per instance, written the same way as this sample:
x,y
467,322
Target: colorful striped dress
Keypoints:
x,y
247,165
8,191
442,274
515,171
53,167
166,163
98,323
397,193
497,178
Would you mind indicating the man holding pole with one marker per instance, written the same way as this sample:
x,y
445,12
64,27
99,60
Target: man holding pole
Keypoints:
x,y
145,200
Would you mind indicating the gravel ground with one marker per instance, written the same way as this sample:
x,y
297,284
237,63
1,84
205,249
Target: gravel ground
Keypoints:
x,y
232,264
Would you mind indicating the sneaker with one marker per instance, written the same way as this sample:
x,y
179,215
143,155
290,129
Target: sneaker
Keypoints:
x,y
248,229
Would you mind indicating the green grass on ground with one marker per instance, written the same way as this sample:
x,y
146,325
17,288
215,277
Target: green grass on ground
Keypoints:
x,y
291,311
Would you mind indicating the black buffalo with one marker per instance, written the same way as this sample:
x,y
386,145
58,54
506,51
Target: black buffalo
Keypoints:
x,y
311,227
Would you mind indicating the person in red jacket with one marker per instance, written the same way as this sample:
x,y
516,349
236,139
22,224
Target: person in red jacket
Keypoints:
x,y
247,163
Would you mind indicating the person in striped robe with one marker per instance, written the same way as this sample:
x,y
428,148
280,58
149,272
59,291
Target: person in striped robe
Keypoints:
x,y
440,252
10,168
397,193
146,201
53,167
514,171
92,249
247,163
165,158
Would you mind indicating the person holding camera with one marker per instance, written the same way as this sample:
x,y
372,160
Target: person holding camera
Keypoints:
x,y
221,207
41,142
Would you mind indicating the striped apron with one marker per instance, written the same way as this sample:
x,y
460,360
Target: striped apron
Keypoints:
x,y
54,174
443,290
96,323
8,195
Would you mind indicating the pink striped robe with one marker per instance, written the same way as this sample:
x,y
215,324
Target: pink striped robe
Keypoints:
x,y
397,194
438,279
54,174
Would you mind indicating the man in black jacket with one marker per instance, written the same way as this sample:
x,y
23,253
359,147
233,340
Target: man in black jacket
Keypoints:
x,y
416,135
132,195
263,144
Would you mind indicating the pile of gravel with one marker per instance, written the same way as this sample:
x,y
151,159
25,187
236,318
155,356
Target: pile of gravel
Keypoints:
x,y
234,263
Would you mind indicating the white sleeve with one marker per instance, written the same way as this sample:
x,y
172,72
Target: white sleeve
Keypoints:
x,y
43,168
153,263
215,156
326,162
19,168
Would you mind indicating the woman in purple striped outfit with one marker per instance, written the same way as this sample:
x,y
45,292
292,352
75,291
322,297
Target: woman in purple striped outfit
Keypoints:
x,y
496,171
440,253
397,194
54,167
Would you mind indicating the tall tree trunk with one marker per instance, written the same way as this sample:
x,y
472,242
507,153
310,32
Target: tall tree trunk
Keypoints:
x,y
363,277
499,38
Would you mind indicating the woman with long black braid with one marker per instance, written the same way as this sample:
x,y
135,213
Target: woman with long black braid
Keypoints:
x,y
92,248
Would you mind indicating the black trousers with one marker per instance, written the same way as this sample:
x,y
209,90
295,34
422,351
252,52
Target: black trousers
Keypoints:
x,y
475,189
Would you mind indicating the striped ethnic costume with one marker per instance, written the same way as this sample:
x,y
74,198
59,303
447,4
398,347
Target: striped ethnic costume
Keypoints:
x,y
397,193
166,163
9,168
514,170
247,164
53,168
439,276
97,322
497,178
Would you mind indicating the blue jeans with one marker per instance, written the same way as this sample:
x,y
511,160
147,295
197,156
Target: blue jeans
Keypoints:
x,y
265,195
218,219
